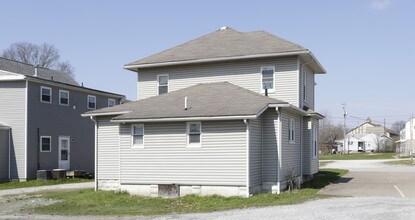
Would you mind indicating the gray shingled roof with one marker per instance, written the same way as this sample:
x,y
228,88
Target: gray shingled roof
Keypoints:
x,y
221,44
204,100
29,70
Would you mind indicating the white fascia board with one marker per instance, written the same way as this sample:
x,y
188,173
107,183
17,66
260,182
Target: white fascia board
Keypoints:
x,y
10,76
104,114
149,65
288,106
217,118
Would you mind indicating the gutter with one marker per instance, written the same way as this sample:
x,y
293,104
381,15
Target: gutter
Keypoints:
x,y
279,150
104,114
246,122
96,154
217,118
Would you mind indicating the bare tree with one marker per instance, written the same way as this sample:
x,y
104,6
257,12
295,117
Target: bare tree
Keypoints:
x,y
329,132
397,126
44,55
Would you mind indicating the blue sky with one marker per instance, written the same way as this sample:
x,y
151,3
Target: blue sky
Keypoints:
x,y
366,46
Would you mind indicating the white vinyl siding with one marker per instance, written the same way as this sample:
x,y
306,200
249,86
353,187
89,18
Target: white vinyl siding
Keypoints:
x,y
64,97
45,94
270,145
108,149
246,74
255,152
166,160
290,152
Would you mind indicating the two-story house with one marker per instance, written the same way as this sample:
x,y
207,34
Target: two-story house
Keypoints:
x,y
41,127
229,113
406,143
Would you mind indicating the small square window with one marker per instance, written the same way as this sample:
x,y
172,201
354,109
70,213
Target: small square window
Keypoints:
x,y
194,131
63,97
45,94
137,134
111,102
45,144
92,102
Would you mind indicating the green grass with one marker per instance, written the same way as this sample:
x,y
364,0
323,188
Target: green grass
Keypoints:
x,y
88,202
33,183
357,156
324,163
400,162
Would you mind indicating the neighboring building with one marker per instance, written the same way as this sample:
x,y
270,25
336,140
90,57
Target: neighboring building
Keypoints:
x,y
406,143
370,128
364,142
40,121
203,124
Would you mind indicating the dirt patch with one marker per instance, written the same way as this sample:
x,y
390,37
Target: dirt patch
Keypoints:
x,y
16,204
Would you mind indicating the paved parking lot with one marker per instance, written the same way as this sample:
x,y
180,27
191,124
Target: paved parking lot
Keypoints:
x,y
373,178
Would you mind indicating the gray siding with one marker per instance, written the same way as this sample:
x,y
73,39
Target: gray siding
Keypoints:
x,y
108,149
291,152
255,152
58,120
270,145
12,112
245,74
165,159
4,154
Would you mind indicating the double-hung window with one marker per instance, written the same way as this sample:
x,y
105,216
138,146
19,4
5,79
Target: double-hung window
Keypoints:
x,y
45,144
162,84
268,78
45,94
63,97
291,131
315,148
194,132
111,102
137,134
92,102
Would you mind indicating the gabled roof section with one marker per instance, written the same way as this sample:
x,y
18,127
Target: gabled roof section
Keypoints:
x,y
29,70
224,44
203,100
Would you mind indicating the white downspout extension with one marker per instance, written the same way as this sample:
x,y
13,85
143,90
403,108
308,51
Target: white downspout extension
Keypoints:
x,y
96,154
247,157
279,149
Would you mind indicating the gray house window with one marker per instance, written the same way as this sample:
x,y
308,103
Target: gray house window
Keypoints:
x,y
45,94
137,134
63,97
111,102
194,131
92,102
163,84
268,78
45,144
291,131
315,148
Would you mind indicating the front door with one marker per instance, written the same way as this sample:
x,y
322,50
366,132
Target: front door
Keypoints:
x,y
64,152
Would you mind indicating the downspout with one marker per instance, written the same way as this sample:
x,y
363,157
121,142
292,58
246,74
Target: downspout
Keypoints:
x,y
10,146
247,157
96,154
279,149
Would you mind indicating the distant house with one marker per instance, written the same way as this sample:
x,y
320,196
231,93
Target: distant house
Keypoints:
x,y
229,113
406,143
369,127
40,121
364,142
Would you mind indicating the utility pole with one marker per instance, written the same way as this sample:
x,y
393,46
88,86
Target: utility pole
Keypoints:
x,y
344,127
411,151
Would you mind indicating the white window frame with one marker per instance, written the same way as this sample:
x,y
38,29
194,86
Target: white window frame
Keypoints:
x,y
41,95
133,134
64,91
273,79
314,139
158,83
50,143
87,101
193,145
112,100
291,130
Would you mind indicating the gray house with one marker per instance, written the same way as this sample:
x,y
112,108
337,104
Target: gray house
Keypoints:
x,y
229,113
40,121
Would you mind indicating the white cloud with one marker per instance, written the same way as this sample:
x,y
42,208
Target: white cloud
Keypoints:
x,y
381,4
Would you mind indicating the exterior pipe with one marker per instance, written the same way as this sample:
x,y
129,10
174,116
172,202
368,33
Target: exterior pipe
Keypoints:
x,y
279,149
247,157
10,143
96,154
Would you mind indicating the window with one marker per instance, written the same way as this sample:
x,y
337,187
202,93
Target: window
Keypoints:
x,y
63,97
315,148
163,84
291,131
45,144
111,102
92,102
267,78
304,84
137,134
45,94
194,131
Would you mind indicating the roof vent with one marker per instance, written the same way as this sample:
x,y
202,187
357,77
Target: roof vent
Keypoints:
x,y
36,69
224,28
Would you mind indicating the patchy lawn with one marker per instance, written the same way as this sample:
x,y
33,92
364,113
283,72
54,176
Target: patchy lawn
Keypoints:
x,y
324,163
358,156
88,202
401,162
33,183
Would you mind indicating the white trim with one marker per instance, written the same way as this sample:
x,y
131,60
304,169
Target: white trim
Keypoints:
x,y
217,118
64,91
68,138
96,153
132,135
158,82
11,76
41,94
104,113
25,128
50,144
247,158
87,101
279,149
108,102
273,79
193,145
